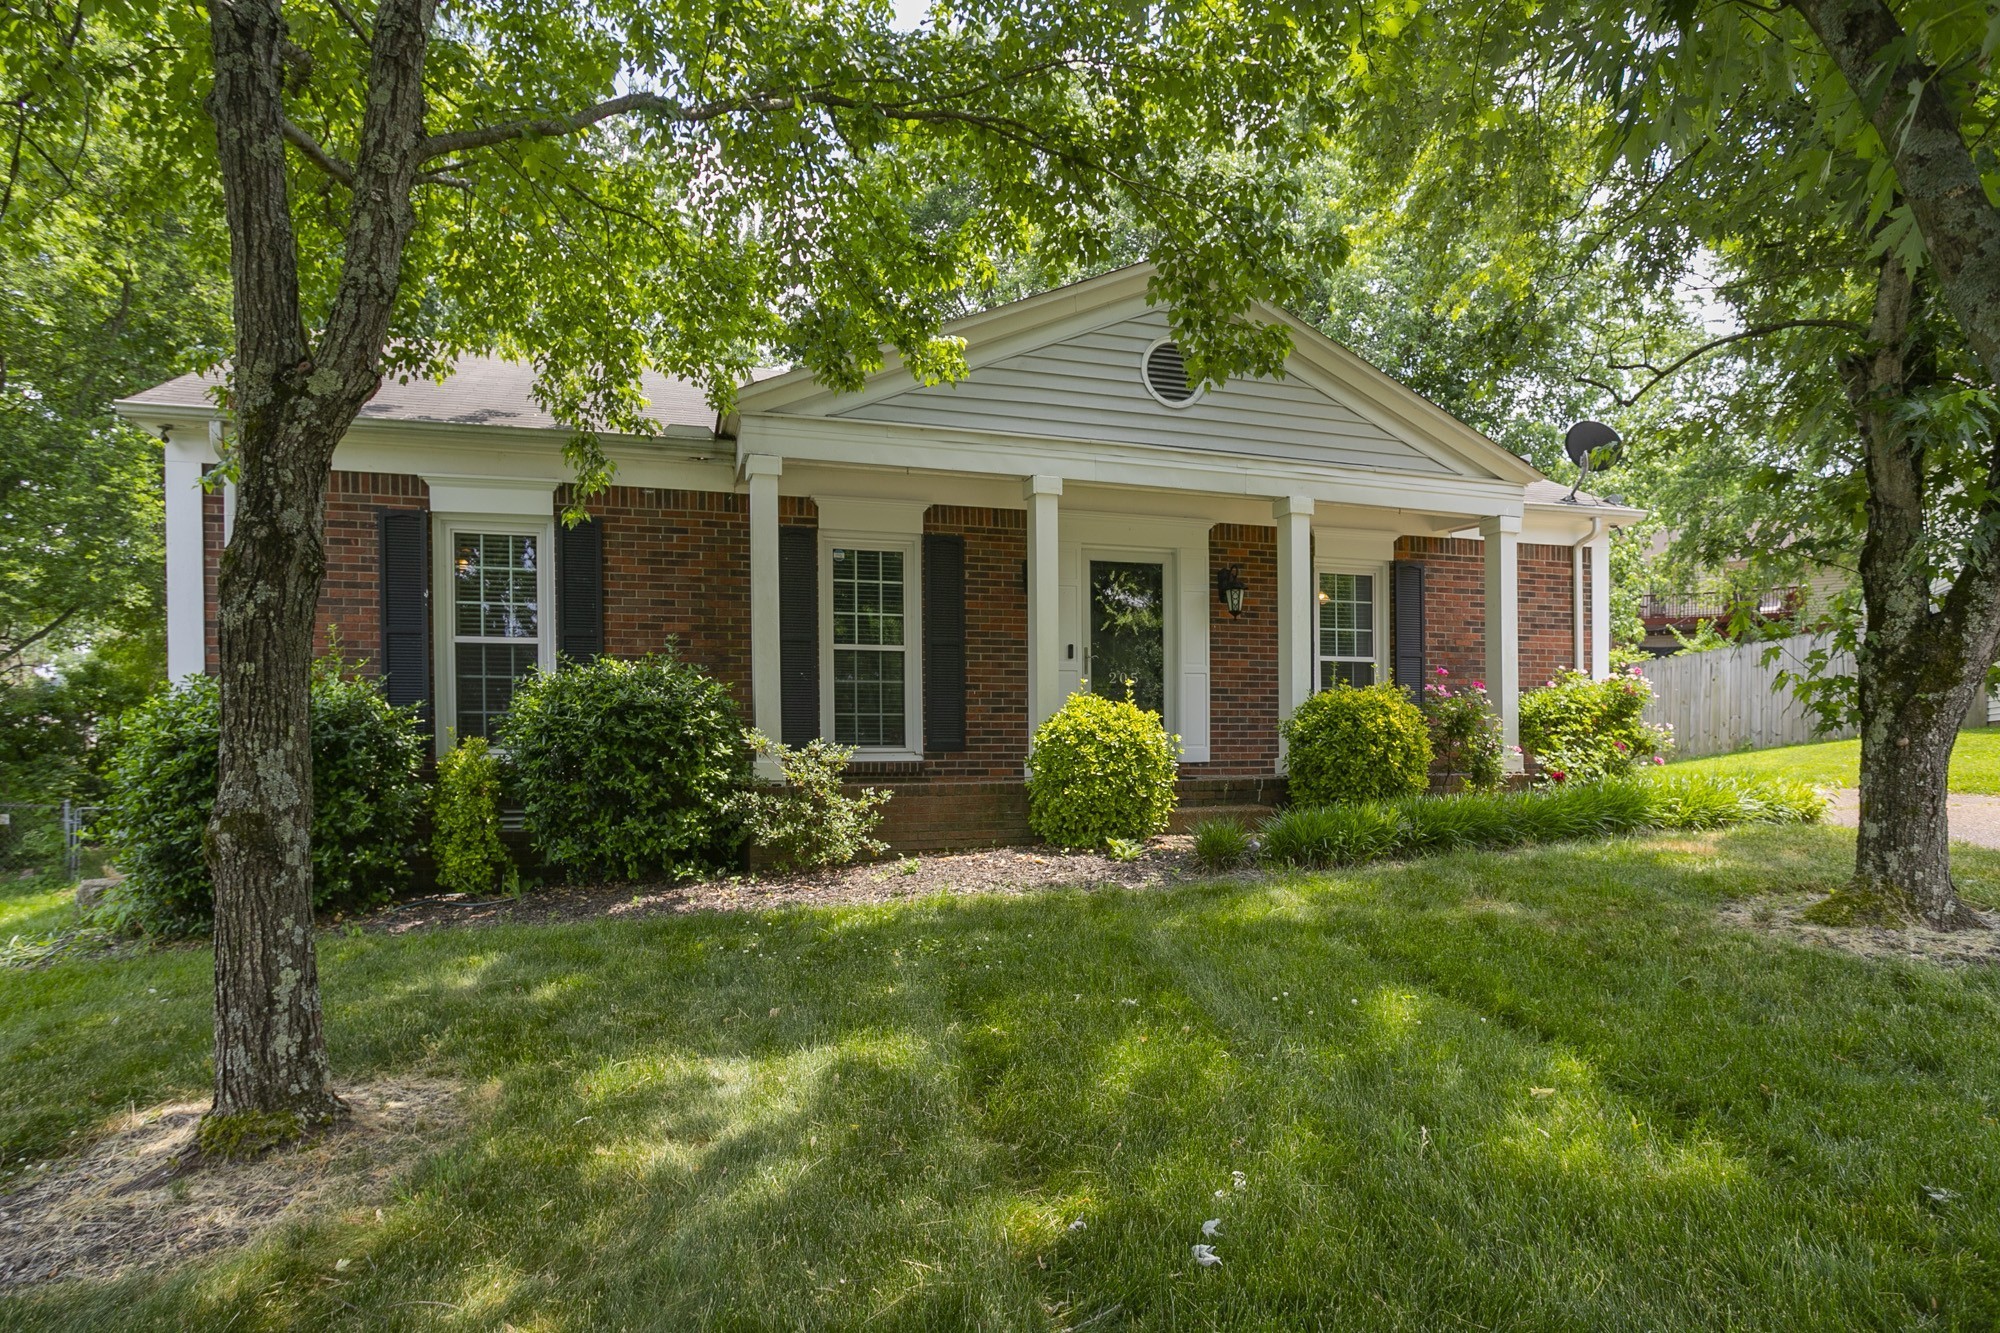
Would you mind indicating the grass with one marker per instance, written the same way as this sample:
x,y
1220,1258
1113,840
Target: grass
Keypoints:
x,y
1975,763
1540,1089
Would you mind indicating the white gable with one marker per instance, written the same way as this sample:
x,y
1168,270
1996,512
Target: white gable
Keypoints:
x,y
1089,387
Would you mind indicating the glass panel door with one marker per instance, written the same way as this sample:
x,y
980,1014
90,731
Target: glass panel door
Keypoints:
x,y
1128,631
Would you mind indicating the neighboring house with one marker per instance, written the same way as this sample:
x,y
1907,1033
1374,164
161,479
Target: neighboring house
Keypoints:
x,y
924,573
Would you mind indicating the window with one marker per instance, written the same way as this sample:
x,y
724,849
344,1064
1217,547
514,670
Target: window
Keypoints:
x,y
1346,629
496,623
870,648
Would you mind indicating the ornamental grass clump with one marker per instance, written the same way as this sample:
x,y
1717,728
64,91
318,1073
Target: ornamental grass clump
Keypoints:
x,y
1334,835
627,769
1222,843
1101,769
1356,744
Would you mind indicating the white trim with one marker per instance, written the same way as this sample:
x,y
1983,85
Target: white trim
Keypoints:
x,y
767,681
1379,626
871,514
912,546
515,498
186,558
1045,633
1599,554
444,664
1297,665
1502,538
1199,391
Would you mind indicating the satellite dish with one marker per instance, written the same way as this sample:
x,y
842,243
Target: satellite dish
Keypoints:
x,y
1593,447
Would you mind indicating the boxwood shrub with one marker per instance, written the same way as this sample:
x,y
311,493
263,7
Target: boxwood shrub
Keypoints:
x,y
1100,769
367,795
1357,744
465,819
627,769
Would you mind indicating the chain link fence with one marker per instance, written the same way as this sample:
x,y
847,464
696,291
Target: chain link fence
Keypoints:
x,y
44,839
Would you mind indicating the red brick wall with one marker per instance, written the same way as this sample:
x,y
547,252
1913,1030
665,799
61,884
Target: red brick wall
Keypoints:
x,y
996,643
1242,655
677,567
350,594
1455,606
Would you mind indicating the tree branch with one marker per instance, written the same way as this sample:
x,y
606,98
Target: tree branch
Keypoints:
x,y
16,649
1761,331
321,158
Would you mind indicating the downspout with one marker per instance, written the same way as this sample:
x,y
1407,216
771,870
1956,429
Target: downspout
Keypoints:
x,y
1576,594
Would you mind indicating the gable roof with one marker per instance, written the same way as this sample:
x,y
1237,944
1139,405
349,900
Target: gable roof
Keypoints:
x,y
480,391
1028,363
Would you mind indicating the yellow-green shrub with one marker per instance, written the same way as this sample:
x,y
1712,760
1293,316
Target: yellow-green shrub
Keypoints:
x,y
466,812
1101,769
1349,744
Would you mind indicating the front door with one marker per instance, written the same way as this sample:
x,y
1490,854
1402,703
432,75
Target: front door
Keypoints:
x,y
1128,632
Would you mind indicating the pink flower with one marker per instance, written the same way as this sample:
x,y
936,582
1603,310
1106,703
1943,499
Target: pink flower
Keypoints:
x,y
1659,759
1622,746
1515,748
1478,684
1443,672
1557,775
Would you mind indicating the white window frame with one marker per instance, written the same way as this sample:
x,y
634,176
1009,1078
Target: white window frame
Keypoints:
x,y
912,548
1380,574
445,529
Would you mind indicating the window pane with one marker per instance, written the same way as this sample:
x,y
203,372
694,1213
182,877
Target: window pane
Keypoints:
x,y
867,697
485,675
867,597
494,587
1346,629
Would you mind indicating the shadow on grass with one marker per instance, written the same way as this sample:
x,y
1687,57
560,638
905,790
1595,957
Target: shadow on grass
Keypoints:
x,y
1535,1089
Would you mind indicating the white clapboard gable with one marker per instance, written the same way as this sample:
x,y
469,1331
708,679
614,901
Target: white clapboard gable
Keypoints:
x,y
1090,386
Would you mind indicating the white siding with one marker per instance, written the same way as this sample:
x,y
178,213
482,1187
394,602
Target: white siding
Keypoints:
x,y
1089,387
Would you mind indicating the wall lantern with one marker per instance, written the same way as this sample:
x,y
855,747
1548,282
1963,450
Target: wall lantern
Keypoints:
x,y
1229,589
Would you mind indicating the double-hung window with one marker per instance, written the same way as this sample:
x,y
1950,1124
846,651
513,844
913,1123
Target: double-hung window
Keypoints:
x,y
1347,628
872,676
498,588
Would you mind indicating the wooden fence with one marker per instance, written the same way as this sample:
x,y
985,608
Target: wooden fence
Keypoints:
x,y
1730,698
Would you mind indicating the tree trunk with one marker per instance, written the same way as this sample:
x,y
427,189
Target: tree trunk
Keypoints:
x,y
291,403
1902,855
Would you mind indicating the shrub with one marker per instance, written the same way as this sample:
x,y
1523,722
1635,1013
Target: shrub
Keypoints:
x,y
1470,819
627,769
1584,730
366,798
465,815
809,822
1465,733
1349,744
1100,769
1221,843
1334,835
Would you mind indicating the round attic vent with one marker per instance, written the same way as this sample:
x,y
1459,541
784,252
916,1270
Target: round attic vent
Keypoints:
x,y
1166,374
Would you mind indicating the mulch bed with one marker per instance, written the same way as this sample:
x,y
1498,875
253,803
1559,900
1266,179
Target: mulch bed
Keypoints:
x,y
104,1212
1784,918
1007,870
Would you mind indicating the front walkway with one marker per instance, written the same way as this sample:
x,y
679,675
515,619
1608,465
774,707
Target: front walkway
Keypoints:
x,y
1974,819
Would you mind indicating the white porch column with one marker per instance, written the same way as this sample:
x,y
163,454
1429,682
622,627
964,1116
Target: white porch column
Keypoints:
x,y
761,472
1502,537
1295,603
1598,554
187,635
1044,600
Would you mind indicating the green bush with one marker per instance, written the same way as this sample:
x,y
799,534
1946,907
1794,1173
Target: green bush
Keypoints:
x,y
1100,769
627,769
809,823
366,798
1334,835
1221,843
1349,744
1465,733
465,818
1584,730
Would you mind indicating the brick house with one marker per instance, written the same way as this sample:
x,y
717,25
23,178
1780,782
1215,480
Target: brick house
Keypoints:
x,y
925,572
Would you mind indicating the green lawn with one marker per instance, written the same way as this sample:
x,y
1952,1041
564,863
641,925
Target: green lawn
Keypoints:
x,y
889,1117
1975,763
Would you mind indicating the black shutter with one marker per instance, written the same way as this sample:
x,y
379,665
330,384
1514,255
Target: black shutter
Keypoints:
x,y
1407,610
580,590
798,633
944,642
403,555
